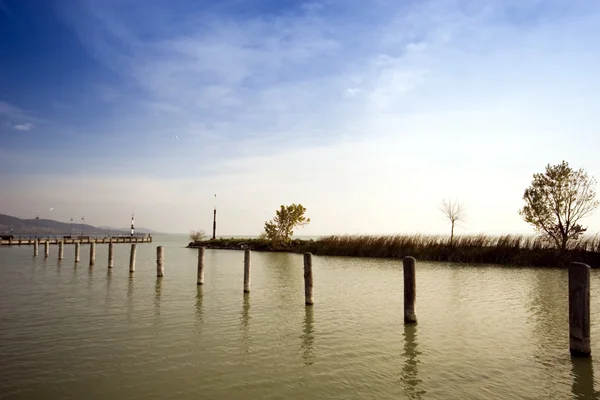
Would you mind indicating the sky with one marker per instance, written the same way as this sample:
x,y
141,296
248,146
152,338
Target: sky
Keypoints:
x,y
367,113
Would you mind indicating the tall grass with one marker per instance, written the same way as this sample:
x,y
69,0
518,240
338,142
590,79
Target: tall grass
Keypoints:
x,y
505,250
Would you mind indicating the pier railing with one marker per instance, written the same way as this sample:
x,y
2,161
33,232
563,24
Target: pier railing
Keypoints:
x,y
66,239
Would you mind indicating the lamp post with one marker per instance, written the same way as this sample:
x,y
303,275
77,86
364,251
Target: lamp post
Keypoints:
x,y
82,221
37,217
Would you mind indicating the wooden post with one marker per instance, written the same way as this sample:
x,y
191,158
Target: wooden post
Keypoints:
x,y
132,259
92,253
579,310
61,250
77,252
160,261
409,290
247,271
309,298
200,265
46,249
35,248
111,254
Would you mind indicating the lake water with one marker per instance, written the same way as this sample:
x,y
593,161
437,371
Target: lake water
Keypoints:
x,y
73,332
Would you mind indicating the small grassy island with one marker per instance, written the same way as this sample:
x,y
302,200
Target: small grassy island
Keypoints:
x,y
503,250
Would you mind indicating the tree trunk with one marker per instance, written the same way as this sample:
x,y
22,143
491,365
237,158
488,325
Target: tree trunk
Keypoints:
x,y
452,235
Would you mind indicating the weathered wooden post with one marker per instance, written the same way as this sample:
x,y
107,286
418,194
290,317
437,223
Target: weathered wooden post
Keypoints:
x,y
35,248
200,265
77,252
160,261
409,290
132,259
46,249
92,253
247,271
61,250
579,310
111,254
309,298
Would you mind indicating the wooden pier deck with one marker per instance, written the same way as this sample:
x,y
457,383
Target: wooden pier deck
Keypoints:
x,y
20,241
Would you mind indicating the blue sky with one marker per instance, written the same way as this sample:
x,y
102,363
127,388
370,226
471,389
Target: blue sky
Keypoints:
x,y
368,113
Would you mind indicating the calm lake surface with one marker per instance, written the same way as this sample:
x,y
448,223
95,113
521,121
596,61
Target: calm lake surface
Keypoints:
x,y
73,332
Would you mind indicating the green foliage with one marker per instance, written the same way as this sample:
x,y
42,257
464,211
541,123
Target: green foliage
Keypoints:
x,y
557,200
197,236
281,228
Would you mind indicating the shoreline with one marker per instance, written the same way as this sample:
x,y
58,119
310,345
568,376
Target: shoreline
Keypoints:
x,y
509,250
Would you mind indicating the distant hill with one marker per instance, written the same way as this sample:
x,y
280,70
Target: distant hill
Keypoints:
x,y
18,226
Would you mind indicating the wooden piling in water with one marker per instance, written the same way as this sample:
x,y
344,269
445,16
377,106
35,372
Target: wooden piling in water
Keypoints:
x,y
35,248
111,254
409,290
309,298
132,259
92,253
160,261
247,271
77,252
579,310
61,250
46,249
200,266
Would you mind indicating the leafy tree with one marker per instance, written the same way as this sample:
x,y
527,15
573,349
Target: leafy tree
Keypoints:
x,y
454,212
557,200
197,236
281,228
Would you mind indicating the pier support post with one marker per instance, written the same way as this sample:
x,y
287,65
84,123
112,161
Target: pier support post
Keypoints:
x,y
61,250
111,254
579,310
309,298
35,248
160,261
200,266
247,271
77,252
409,290
132,259
92,253
46,249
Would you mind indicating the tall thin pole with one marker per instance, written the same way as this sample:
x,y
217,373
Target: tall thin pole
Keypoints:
x,y
132,229
82,221
215,220
71,227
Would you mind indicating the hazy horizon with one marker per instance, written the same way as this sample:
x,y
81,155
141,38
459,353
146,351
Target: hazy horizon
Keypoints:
x,y
368,114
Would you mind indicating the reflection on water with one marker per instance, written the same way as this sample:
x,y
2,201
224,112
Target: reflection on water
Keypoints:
x,y
244,319
199,308
583,379
308,337
157,294
409,375
130,291
484,332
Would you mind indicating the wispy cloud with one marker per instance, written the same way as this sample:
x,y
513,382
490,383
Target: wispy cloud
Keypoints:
x,y
12,112
344,101
23,127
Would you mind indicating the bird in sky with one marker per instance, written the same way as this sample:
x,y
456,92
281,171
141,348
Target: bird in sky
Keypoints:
x,y
176,137
51,208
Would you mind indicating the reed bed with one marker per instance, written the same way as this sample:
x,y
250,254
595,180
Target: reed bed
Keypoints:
x,y
518,250
505,250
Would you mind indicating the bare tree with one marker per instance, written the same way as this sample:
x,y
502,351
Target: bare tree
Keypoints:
x,y
454,212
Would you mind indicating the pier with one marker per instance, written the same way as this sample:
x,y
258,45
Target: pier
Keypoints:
x,y
19,241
